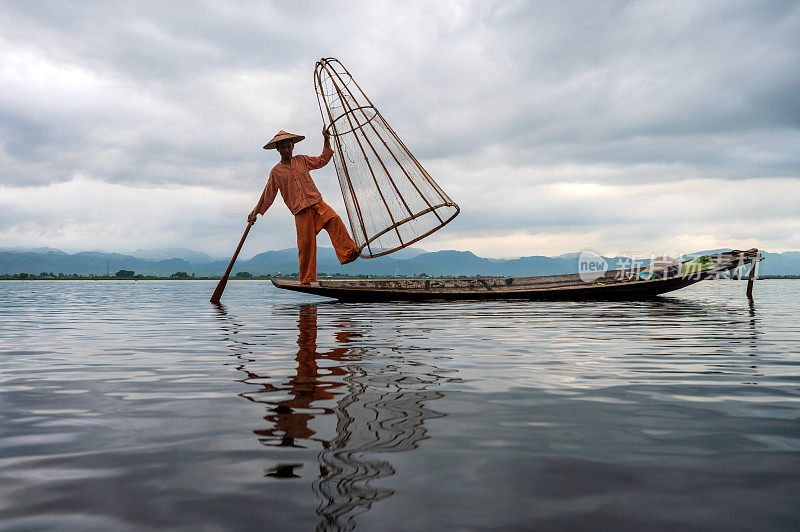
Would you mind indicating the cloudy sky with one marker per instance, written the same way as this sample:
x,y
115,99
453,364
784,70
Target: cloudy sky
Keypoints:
x,y
556,126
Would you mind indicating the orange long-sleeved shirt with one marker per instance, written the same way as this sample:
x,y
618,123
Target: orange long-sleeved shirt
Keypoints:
x,y
293,180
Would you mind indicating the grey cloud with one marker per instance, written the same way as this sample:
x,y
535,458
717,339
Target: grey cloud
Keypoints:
x,y
600,77
487,95
538,83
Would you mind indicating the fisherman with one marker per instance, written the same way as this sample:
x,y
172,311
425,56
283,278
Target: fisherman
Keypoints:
x,y
311,213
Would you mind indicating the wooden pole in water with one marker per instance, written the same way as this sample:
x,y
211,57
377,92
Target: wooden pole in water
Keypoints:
x,y
751,278
222,282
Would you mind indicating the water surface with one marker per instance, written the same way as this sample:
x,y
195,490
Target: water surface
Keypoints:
x,y
126,405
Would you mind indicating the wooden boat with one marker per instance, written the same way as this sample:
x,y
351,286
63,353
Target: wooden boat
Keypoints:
x,y
613,284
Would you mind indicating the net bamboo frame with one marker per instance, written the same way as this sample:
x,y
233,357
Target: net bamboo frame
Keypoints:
x,y
391,200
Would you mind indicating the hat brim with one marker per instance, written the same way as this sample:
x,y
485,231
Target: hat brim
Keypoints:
x,y
274,142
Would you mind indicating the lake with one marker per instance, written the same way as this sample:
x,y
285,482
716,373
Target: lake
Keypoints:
x,y
128,405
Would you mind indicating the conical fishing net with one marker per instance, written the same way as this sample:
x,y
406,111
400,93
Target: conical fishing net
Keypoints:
x,y
391,200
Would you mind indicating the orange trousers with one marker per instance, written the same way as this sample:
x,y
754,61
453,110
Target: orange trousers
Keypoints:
x,y
309,222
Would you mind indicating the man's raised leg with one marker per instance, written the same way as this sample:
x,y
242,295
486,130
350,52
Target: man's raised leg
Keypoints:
x,y
346,249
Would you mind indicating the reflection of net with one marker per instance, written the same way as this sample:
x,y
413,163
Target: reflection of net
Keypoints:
x,y
391,200
384,411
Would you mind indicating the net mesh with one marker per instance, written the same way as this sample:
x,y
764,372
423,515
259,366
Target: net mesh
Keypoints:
x,y
391,200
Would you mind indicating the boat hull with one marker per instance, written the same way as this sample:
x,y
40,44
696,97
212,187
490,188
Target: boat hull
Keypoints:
x,y
382,291
614,284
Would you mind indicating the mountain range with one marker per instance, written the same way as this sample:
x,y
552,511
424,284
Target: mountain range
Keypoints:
x,y
406,262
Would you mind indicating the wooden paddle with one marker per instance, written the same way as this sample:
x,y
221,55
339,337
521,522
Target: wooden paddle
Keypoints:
x,y
222,282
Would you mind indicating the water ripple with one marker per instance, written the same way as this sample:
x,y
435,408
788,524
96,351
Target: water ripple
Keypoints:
x,y
128,405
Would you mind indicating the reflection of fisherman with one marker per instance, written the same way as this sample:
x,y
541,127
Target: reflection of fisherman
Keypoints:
x,y
291,416
311,214
379,408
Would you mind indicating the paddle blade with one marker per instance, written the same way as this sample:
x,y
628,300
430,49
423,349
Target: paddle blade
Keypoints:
x,y
222,282
218,291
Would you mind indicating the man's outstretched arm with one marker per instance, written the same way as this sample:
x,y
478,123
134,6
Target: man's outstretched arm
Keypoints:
x,y
266,199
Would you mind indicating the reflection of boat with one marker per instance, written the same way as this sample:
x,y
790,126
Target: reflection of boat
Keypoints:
x,y
379,406
612,284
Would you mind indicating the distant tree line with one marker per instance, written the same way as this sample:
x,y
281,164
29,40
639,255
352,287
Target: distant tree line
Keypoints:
x,y
43,275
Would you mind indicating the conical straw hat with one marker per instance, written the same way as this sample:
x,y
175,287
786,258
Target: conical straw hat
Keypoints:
x,y
283,135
